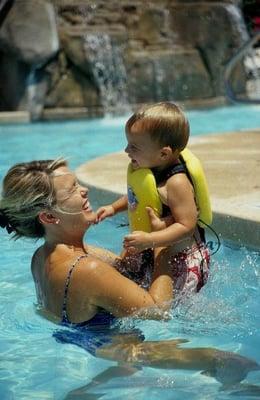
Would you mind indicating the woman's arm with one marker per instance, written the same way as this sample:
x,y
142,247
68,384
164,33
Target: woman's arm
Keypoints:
x,y
106,288
105,255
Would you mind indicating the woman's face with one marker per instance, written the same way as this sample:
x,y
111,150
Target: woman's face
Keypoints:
x,y
72,198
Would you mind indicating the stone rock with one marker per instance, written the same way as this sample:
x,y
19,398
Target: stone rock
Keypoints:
x,y
29,32
3,4
151,25
37,86
13,83
217,30
167,75
72,89
73,42
115,51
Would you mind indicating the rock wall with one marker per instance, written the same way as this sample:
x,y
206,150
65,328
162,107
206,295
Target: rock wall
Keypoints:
x,y
81,57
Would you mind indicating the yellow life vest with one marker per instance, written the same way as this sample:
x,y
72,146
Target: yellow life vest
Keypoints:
x,y
142,192
200,186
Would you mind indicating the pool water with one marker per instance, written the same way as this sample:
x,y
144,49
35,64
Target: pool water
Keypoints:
x,y
80,140
225,314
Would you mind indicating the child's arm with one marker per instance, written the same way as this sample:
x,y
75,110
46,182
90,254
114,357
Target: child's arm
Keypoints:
x,y
184,212
112,209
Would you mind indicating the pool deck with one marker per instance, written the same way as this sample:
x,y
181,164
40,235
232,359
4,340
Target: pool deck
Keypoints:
x,y
232,166
14,117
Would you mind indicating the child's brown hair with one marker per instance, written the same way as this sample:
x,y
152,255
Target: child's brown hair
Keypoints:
x,y
165,122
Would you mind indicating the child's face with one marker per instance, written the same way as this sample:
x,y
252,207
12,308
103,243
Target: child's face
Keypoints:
x,y
143,152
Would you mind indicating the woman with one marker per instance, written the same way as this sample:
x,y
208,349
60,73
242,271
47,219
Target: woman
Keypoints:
x,y
75,282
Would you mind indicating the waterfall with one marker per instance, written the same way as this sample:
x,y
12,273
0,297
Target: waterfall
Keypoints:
x,y
251,59
158,79
248,55
109,72
237,22
36,91
252,65
161,81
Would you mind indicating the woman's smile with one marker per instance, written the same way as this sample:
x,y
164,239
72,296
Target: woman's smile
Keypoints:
x,y
87,206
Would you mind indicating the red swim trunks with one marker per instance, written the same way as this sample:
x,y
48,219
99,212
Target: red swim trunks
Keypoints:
x,y
190,269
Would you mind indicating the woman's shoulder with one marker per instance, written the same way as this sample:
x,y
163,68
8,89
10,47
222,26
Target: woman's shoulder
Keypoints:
x,y
104,255
87,264
56,260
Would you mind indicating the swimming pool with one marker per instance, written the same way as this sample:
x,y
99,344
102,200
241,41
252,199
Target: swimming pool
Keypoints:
x,y
225,314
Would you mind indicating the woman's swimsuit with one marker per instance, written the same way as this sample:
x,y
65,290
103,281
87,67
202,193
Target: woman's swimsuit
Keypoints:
x,y
93,333
101,318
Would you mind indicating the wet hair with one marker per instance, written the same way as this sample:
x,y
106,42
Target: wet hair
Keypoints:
x,y
165,122
27,190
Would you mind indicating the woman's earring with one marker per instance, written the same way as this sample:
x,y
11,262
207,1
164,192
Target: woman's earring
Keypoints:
x,y
57,221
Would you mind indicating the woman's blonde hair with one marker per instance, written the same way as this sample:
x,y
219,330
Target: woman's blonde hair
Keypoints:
x,y
164,122
27,190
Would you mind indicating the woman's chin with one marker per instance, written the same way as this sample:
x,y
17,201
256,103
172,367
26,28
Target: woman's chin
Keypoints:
x,y
90,217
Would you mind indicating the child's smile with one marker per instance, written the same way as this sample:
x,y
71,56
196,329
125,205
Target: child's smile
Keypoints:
x,y
143,152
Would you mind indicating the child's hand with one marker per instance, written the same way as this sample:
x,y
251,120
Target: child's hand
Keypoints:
x,y
104,212
137,241
157,224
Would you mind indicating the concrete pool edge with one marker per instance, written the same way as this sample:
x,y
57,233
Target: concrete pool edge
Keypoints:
x,y
14,117
232,166
242,231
